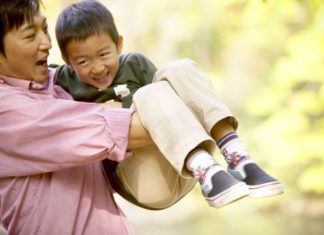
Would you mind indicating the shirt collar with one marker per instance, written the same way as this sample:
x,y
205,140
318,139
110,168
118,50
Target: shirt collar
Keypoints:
x,y
30,85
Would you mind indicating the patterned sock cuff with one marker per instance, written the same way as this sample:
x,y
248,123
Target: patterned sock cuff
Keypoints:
x,y
228,137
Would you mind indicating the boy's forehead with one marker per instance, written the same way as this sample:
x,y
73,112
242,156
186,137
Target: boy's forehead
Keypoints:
x,y
81,41
91,44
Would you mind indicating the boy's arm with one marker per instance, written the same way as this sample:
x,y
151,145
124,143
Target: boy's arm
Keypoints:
x,y
137,71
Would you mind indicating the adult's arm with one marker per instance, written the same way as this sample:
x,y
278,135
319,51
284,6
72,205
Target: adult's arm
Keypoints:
x,y
41,134
138,136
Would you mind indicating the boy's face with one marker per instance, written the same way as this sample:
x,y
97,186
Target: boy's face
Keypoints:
x,y
26,51
95,60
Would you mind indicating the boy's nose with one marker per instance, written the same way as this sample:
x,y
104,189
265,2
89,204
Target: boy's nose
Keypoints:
x,y
98,69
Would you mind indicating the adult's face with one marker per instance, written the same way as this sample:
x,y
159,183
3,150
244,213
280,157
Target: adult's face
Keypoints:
x,y
26,51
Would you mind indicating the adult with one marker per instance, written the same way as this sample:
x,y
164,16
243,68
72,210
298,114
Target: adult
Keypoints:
x,y
51,180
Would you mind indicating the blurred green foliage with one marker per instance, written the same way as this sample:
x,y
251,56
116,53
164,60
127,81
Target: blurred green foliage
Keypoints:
x,y
288,107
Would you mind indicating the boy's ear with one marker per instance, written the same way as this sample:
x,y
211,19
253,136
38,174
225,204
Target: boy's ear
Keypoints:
x,y
67,62
120,44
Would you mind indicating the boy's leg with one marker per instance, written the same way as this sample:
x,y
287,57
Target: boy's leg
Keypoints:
x,y
177,132
241,166
148,180
196,90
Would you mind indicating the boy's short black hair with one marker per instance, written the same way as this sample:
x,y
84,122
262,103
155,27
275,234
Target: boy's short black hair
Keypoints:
x,y
82,20
13,14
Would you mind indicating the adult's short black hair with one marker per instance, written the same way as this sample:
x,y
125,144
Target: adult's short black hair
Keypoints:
x,y
13,14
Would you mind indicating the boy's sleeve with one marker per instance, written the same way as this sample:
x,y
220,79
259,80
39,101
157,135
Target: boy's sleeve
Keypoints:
x,y
145,68
139,71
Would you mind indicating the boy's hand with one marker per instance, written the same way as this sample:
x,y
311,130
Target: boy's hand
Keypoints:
x,y
112,104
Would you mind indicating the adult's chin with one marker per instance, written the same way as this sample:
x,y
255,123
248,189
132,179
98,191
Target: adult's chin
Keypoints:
x,y
40,78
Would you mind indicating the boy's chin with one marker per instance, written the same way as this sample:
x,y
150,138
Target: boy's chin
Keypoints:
x,y
101,88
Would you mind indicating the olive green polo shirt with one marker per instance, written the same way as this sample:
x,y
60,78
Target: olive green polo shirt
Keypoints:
x,y
135,71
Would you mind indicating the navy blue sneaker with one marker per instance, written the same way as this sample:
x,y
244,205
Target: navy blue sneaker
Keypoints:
x,y
220,188
259,182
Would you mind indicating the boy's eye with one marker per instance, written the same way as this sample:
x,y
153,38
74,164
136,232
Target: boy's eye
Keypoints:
x,y
81,62
104,54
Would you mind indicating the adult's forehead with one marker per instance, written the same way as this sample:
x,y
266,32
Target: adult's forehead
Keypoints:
x,y
37,18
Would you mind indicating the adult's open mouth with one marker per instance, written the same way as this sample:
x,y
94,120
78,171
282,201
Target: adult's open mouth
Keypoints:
x,y
42,62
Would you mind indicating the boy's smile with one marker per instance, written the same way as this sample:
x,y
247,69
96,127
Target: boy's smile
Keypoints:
x,y
95,59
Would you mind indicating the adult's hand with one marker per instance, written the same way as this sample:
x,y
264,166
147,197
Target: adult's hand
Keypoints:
x,y
138,136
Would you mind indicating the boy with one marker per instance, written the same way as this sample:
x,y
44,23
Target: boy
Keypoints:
x,y
96,72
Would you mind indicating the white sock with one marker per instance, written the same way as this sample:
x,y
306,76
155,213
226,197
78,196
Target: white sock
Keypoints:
x,y
199,159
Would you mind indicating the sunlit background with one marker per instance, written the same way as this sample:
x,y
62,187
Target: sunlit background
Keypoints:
x,y
266,60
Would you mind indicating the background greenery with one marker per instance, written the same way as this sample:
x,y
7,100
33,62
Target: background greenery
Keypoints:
x,y
266,60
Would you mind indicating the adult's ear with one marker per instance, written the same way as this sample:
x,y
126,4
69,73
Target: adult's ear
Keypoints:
x,y
2,58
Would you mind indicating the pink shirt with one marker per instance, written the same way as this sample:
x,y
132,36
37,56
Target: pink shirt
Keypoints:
x,y
51,180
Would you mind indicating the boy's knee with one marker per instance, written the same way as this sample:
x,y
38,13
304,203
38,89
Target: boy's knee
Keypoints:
x,y
177,67
151,91
180,65
184,63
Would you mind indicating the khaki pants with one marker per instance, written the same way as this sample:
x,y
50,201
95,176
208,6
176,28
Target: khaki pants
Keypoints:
x,y
178,110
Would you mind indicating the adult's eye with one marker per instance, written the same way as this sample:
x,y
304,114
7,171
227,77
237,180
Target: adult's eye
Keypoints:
x,y
45,29
30,36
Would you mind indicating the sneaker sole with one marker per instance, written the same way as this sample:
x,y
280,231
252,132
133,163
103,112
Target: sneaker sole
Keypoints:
x,y
230,195
266,190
